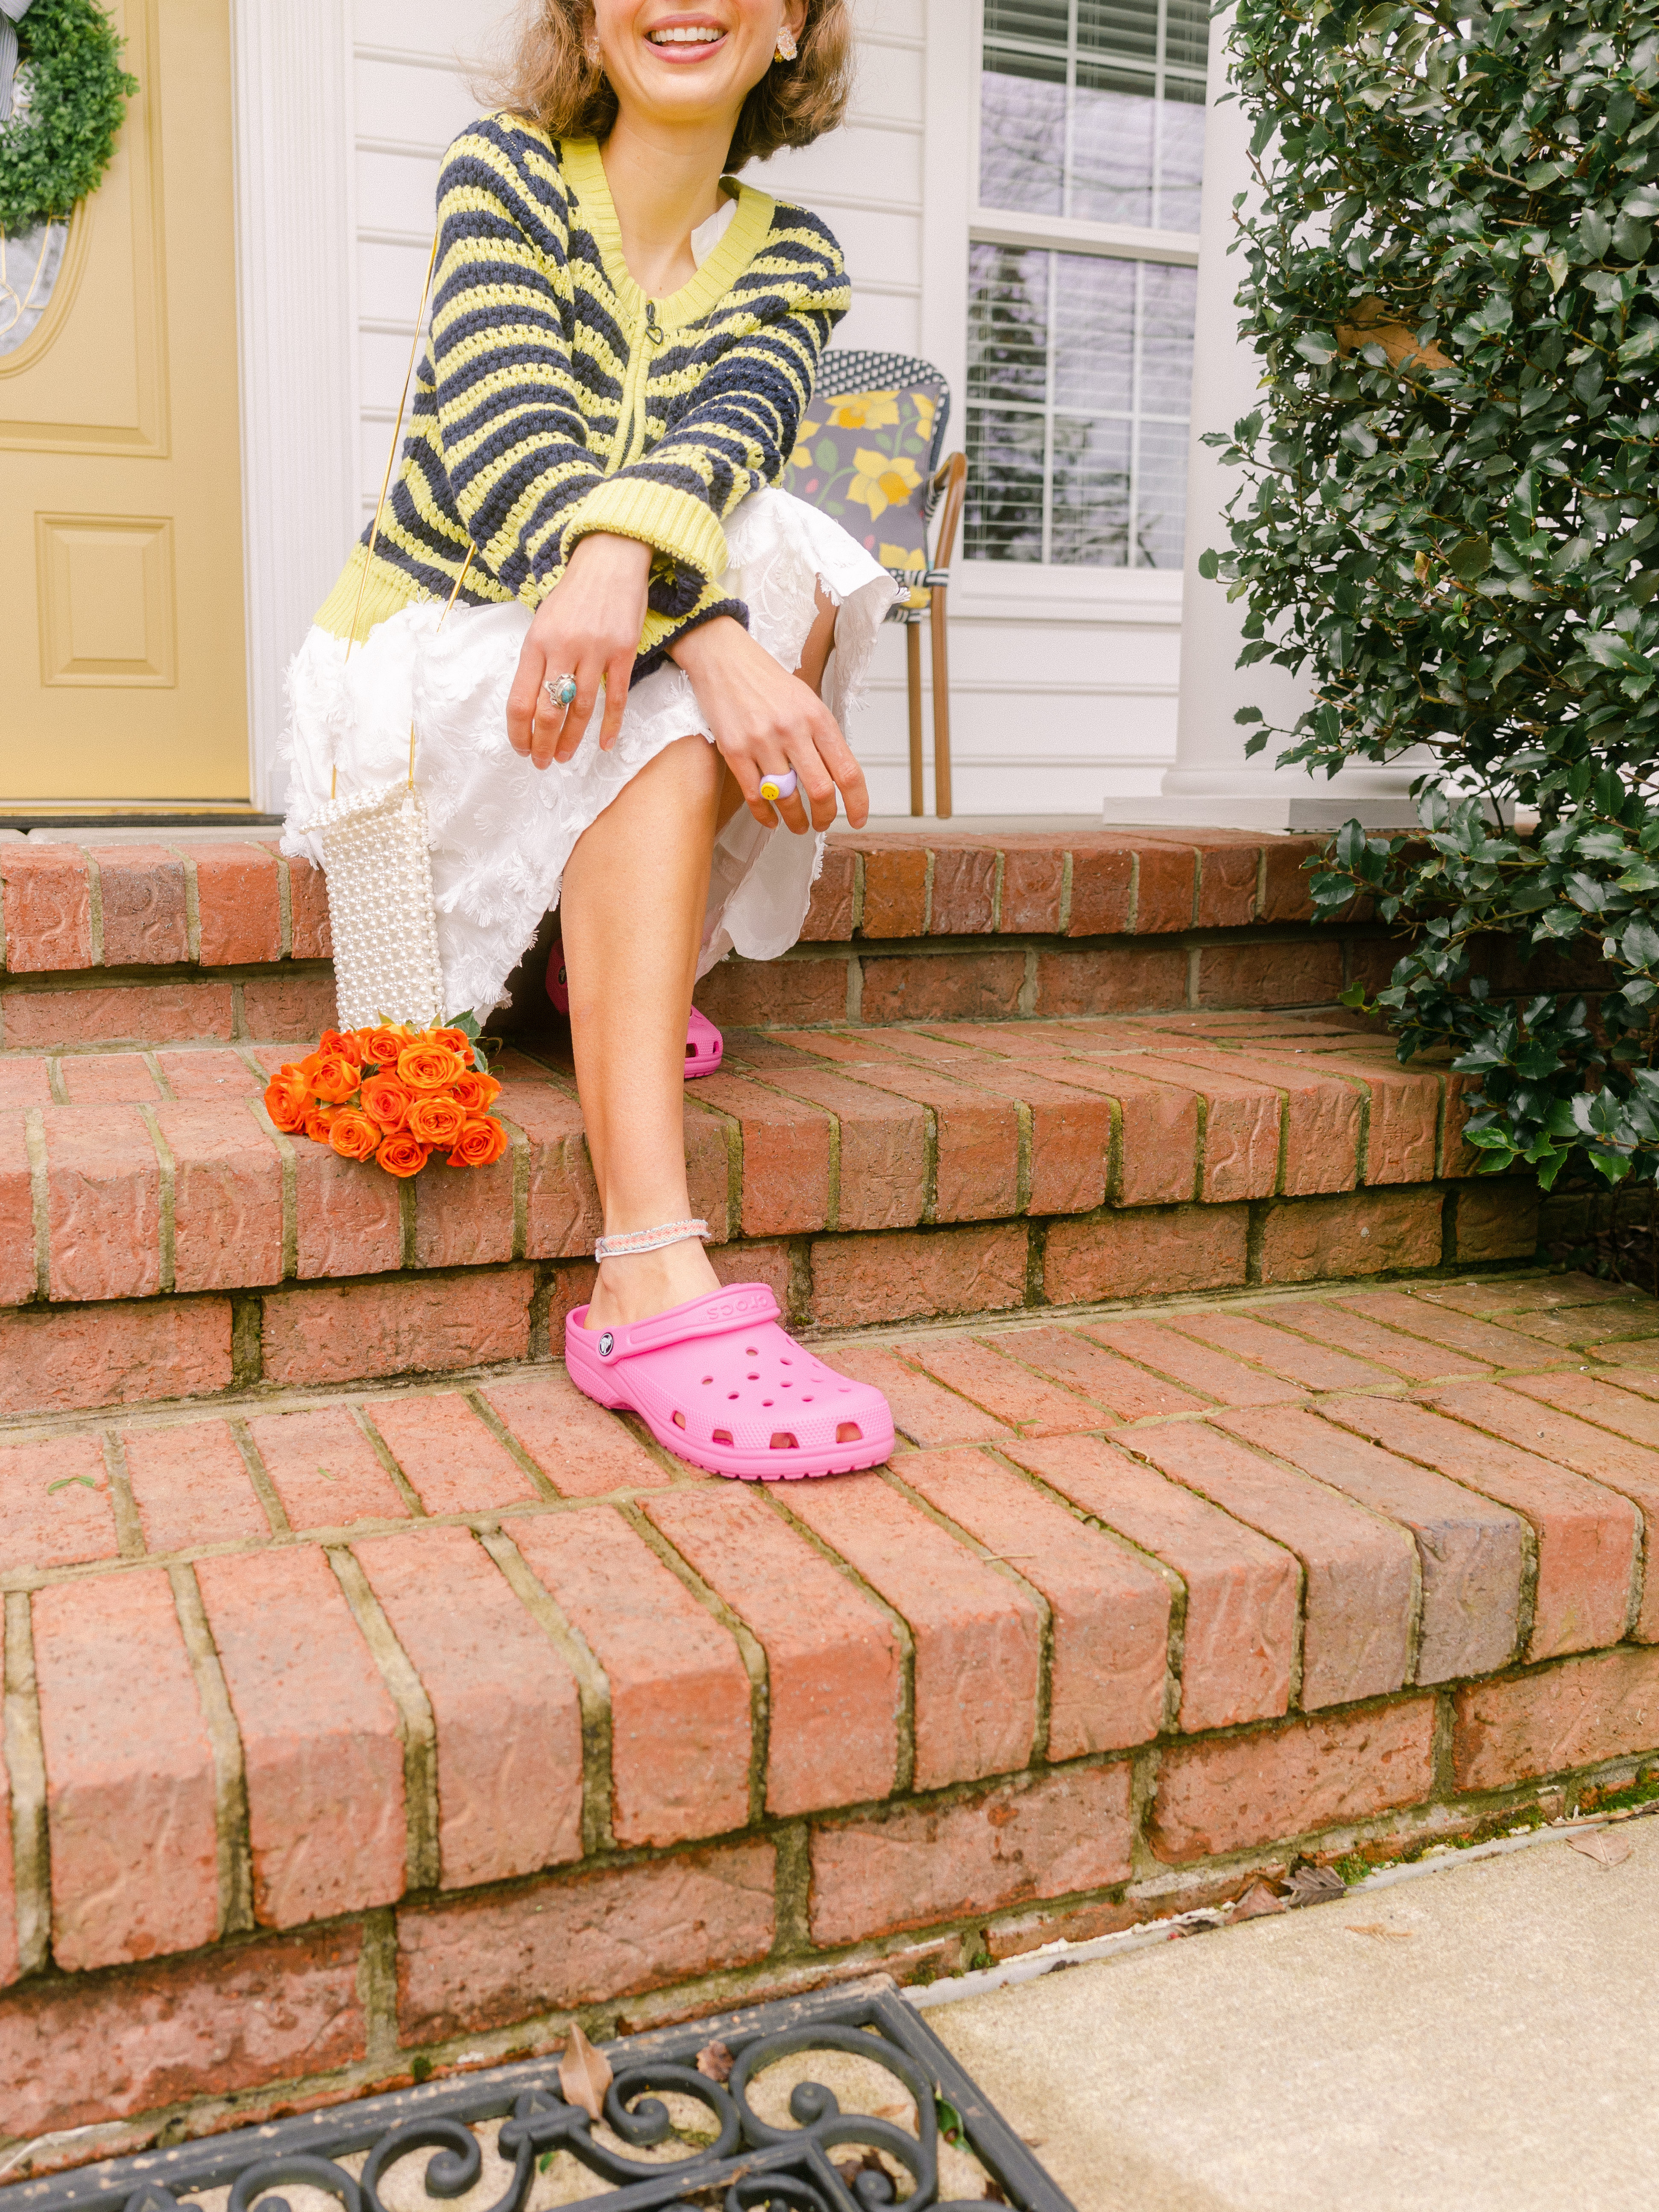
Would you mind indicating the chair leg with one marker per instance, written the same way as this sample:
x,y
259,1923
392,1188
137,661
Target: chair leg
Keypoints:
x,y
936,626
913,684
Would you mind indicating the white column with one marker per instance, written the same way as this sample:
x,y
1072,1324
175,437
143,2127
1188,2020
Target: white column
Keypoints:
x,y
294,247
1211,781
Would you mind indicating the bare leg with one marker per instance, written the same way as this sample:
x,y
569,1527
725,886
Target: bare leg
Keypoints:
x,y
631,911
632,901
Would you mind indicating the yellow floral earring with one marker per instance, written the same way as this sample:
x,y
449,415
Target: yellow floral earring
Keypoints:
x,y
787,49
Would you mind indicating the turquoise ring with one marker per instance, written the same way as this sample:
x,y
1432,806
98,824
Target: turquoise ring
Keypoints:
x,y
560,690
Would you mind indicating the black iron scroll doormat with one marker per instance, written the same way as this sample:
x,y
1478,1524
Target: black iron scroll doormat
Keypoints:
x,y
843,2101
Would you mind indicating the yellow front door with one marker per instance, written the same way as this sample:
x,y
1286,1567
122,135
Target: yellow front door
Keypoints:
x,y
120,493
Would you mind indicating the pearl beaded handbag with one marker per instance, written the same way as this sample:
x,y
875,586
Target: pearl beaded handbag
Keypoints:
x,y
377,857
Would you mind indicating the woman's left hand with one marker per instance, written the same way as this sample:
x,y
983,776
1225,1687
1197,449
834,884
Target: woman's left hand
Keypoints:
x,y
766,720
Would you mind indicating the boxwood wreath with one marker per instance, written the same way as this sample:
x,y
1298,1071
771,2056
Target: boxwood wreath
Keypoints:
x,y
56,149
1450,520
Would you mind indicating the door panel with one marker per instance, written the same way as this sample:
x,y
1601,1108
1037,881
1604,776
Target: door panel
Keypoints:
x,y
120,498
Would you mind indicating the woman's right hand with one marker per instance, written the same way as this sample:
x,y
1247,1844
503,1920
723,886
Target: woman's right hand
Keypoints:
x,y
766,720
588,627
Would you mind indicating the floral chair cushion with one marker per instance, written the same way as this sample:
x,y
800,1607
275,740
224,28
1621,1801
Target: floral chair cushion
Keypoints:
x,y
863,457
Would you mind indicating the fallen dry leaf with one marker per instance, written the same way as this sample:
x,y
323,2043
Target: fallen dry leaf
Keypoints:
x,y
1315,1885
715,2060
869,2161
1372,325
1258,1900
583,2073
1606,1850
1382,1934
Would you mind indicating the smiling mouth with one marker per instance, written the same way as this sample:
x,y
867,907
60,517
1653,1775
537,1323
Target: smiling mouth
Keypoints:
x,y
682,35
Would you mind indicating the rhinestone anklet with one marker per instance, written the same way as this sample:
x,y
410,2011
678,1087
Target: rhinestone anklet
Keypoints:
x,y
649,1240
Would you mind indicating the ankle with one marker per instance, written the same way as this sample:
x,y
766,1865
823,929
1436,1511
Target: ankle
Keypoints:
x,y
635,1287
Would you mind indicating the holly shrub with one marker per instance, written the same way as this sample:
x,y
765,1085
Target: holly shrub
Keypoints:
x,y
1450,519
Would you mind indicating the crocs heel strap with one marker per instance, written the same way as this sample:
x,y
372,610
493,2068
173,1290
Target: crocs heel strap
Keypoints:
x,y
745,1305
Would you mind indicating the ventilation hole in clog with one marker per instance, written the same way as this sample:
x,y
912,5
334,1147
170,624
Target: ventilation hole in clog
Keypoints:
x,y
679,1420
754,1378
734,1394
807,1400
751,1351
784,1358
848,1433
690,1052
708,1378
721,1437
782,1441
766,1402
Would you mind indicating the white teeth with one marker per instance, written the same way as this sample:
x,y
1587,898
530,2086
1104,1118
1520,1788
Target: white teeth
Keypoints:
x,y
688,34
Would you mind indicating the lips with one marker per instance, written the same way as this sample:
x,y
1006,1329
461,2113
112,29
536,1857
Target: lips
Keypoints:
x,y
685,39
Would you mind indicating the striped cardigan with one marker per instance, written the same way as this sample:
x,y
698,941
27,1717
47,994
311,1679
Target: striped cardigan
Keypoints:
x,y
553,398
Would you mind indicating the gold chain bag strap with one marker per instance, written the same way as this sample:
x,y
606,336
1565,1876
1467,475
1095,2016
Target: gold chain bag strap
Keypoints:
x,y
377,856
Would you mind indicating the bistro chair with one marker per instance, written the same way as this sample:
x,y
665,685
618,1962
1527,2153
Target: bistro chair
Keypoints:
x,y
868,452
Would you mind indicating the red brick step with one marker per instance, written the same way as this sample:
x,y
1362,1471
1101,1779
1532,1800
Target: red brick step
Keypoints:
x,y
351,1734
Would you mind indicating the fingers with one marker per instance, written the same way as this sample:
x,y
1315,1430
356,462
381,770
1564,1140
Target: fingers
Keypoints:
x,y
549,725
617,675
838,758
525,698
575,730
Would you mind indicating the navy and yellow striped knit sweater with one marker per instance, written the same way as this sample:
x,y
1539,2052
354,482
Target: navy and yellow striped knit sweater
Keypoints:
x,y
553,398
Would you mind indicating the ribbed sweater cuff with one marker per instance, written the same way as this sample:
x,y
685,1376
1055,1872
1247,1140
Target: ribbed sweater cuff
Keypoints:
x,y
674,522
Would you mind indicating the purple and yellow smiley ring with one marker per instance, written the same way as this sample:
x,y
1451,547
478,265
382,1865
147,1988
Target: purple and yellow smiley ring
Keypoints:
x,y
779,786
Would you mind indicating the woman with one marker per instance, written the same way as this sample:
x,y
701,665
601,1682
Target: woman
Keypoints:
x,y
639,631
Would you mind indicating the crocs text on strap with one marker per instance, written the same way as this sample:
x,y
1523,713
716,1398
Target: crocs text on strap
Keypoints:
x,y
649,1240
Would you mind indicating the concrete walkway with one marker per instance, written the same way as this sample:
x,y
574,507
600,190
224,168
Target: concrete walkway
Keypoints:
x,y
1485,2036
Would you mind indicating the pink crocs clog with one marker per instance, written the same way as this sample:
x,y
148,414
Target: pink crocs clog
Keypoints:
x,y
705,1047
719,1384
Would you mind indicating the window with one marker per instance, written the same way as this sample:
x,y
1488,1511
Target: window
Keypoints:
x,y
1081,280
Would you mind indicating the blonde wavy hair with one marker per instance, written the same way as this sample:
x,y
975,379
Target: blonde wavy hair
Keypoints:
x,y
548,75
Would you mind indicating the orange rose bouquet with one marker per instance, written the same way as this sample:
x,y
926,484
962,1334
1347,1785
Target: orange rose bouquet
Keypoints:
x,y
394,1094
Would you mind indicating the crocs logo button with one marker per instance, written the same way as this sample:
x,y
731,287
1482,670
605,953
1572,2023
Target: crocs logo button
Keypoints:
x,y
605,1343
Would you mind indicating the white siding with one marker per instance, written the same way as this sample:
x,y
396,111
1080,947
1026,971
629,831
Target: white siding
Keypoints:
x,y
1063,681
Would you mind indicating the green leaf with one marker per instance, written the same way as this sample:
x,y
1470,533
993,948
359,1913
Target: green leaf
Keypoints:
x,y
951,2125
1209,564
1470,559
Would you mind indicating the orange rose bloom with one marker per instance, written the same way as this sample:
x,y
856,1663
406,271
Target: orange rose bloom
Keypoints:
x,y
458,1042
310,1064
336,1079
385,1099
384,1045
288,1095
480,1144
348,1045
319,1120
429,1067
400,1155
436,1120
475,1093
353,1135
